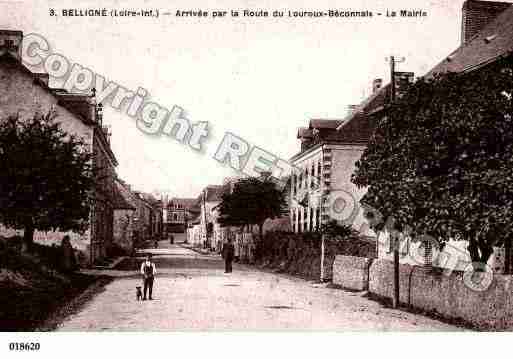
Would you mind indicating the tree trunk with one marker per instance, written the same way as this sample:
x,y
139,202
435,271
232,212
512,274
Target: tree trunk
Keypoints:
x,y
507,255
260,245
479,251
28,237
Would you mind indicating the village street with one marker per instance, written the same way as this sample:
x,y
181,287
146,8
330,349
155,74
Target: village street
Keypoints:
x,y
192,292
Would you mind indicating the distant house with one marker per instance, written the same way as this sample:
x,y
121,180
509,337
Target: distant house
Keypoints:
x,y
194,231
155,222
210,198
176,214
25,94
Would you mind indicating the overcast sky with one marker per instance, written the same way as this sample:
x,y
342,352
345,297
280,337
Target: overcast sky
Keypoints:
x,y
258,78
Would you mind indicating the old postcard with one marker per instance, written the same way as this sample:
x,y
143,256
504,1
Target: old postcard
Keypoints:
x,y
241,166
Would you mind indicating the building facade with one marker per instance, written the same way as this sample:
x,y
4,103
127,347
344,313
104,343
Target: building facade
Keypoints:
x,y
320,186
124,215
25,93
176,214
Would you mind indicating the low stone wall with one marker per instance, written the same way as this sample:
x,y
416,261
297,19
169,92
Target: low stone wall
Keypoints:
x,y
450,297
447,295
351,272
381,276
300,253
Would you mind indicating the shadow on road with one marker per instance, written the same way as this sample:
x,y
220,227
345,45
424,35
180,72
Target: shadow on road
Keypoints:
x,y
172,261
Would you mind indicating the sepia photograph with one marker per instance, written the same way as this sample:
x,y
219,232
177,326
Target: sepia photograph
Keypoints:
x,y
249,167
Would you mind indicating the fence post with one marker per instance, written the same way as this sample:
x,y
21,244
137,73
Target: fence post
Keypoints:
x,y
322,258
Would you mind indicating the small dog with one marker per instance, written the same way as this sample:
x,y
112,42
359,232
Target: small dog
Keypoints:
x,y
138,293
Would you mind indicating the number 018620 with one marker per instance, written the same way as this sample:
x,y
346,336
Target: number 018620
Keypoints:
x,y
22,347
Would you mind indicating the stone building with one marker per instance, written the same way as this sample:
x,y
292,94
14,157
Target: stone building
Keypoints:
x,y
155,223
142,220
124,215
210,198
25,93
176,214
329,150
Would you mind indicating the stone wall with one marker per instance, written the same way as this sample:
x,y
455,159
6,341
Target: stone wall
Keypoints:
x,y
381,274
123,230
454,255
300,253
351,272
432,290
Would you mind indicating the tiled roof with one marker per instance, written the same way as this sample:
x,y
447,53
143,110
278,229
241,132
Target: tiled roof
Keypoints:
x,y
11,32
356,130
325,123
185,202
304,132
119,201
81,105
493,41
325,131
214,192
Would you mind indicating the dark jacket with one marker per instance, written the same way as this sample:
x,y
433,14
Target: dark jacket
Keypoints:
x,y
228,251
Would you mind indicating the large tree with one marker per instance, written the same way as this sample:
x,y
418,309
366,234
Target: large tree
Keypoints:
x,y
252,201
441,161
45,177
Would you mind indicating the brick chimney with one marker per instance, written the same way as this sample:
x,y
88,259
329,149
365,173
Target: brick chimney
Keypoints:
x,y
476,14
376,85
10,41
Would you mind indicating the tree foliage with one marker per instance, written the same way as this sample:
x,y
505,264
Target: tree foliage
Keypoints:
x,y
441,161
252,201
45,177
334,230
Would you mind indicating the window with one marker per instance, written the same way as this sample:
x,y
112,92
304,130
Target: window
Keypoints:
x,y
312,181
9,43
300,221
294,220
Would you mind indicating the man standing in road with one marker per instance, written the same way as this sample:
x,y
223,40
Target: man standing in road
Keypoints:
x,y
148,271
227,253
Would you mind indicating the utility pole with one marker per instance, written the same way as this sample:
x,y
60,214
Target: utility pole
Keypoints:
x,y
323,250
205,218
186,226
393,236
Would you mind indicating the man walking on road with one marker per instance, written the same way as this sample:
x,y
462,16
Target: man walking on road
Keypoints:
x,y
228,252
148,271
